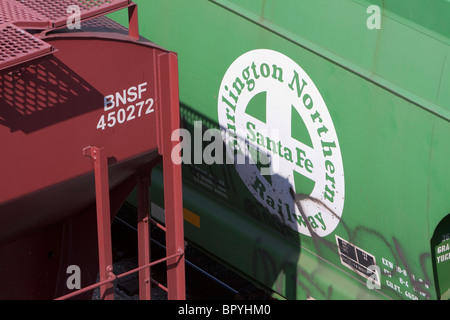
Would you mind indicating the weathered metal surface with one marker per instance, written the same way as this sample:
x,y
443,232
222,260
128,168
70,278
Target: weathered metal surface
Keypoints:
x,y
43,104
375,100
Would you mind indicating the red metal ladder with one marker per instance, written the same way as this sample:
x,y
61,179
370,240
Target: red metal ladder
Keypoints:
x,y
173,228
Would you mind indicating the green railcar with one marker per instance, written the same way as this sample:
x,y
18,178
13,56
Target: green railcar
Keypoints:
x,y
330,179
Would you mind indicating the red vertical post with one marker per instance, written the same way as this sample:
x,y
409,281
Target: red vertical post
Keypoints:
x,y
133,22
103,218
173,199
143,223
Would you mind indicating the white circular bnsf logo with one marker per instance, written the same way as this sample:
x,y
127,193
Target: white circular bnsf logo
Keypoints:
x,y
283,141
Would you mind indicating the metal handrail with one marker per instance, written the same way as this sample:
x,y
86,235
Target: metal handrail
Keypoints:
x,y
112,277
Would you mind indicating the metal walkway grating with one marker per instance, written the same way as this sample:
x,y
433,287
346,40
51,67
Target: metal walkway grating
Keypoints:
x,y
44,14
17,45
56,11
12,11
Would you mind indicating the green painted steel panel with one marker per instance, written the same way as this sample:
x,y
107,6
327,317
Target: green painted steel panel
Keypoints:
x,y
385,92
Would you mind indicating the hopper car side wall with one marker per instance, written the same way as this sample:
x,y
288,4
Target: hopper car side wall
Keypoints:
x,y
385,93
51,111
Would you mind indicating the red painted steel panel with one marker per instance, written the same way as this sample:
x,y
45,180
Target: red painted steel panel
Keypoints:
x,y
106,95
52,109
